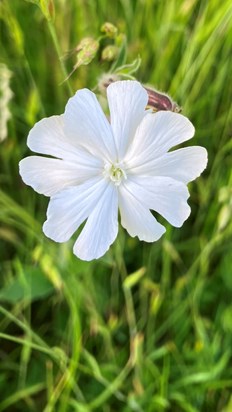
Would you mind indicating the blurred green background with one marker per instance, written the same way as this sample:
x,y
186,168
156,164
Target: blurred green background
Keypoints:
x,y
147,327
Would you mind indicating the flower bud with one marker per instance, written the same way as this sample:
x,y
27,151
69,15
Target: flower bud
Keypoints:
x,y
109,53
87,50
51,9
105,80
48,9
110,30
161,101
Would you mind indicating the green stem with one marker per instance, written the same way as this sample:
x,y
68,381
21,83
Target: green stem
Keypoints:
x,y
127,295
117,383
58,51
112,388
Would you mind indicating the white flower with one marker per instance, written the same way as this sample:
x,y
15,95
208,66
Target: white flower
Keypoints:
x,y
99,167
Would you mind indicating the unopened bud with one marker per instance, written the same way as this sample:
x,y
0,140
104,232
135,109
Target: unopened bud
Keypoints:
x,y
51,9
109,53
105,80
109,29
156,100
87,50
161,101
224,216
48,9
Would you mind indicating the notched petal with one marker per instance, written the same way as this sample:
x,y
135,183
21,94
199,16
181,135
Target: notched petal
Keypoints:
x,y
101,228
127,102
87,126
68,209
136,218
156,135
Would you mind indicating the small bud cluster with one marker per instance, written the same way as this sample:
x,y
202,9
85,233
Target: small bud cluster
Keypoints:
x,y
109,43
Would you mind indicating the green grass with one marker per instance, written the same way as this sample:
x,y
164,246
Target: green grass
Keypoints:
x,y
147,327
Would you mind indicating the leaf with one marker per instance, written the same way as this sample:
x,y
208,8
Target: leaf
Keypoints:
x,y
134,278
129,68
33,1
46,6
34,285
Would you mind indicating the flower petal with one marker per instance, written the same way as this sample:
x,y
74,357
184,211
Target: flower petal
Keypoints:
x,y
136,219
68,209
127,101
47,137
49,176
183,165
101,227
87,126
157,133
164,195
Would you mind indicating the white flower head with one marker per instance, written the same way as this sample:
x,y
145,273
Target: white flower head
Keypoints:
x,y
98,167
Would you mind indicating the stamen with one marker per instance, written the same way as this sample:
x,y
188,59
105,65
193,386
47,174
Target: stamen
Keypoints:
x,y
114,172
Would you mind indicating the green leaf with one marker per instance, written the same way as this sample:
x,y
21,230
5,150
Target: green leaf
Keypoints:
x,y
129,68
33,285
134,278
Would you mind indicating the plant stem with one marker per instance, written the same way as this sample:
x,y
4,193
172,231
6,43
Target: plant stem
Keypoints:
x,y
58,51
127,295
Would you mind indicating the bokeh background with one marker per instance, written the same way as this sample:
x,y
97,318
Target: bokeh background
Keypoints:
x,y
147,327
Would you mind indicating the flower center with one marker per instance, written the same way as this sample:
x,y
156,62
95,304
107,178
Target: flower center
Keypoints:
x,y
114,172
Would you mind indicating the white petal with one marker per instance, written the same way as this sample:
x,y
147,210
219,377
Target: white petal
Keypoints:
x,y
127,101
68,209
49,176
183,165
157,133
101,227
164,195
136,219
86,125
47,137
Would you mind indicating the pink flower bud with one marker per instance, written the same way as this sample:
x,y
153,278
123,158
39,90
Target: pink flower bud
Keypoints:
x,y
161,101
